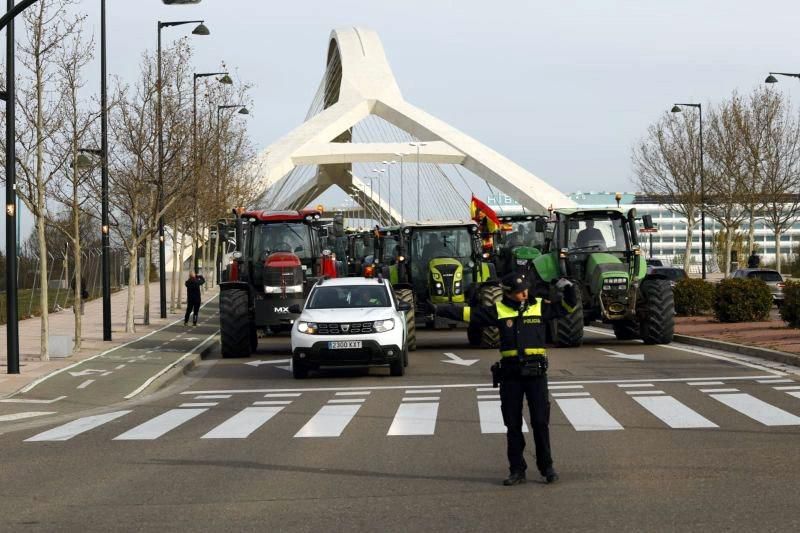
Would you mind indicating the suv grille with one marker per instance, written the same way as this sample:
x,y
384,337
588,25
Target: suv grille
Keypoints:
x,y
346,328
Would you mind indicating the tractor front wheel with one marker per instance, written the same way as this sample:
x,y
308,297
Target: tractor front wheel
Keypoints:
x,y
487,296
407,296
567,331
235,323
656,311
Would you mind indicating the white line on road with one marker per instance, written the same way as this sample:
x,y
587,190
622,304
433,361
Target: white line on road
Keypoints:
x,y
719,390
160,425
119,367
107,373
425,398
564,387
199,404
329,421
491,418
213,397
635,385
585,414
758,410
644,392
85,384
788,387
570,394
76,427
243,423
347,400
353,393
673,413
21,416
283,395
424,391
771,380
414,419
705,383
487,396
26,400
484,389
273,402
796,394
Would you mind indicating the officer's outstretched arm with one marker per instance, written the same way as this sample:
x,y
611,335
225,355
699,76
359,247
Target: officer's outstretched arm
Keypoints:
x,y
480,316
565,301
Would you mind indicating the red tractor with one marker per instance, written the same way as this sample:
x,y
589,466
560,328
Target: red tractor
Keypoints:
x,y
279,257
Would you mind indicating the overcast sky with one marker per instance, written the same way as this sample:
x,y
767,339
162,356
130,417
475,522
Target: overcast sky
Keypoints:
x,y
564,88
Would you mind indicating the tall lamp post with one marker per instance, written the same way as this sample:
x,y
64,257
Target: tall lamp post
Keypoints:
x,y
417,145
402,212
200,29
387,165
12,325
676,108
225,79
378,172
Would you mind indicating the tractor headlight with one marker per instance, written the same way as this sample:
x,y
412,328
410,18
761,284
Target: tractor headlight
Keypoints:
x,y
381,326
617,283
309,328
278,290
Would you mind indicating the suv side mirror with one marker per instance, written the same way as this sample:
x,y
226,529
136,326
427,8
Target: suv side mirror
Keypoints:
x,y
647,220
403,306
295,308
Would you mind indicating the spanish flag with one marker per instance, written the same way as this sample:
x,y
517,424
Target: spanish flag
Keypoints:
x,y
479,210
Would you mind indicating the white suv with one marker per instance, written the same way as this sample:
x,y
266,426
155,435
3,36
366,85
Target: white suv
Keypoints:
x,y
350,322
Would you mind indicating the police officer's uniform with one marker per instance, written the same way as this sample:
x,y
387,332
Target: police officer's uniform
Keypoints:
x,y
522,370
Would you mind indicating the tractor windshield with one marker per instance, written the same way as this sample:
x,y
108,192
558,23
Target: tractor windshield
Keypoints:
x,y
524,233
292,237
363,247
597,232
437,243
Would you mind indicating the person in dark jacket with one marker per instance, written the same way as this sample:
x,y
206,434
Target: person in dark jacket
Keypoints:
x,y
521,319
193,297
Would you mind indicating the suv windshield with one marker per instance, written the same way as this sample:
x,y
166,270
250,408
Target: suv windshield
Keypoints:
x,y
600,232
765,275
282,237
348,296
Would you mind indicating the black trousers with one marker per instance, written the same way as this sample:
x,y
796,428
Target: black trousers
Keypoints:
x,y
190,307
512,393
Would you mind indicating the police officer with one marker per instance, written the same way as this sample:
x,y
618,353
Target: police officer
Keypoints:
x,y
522,370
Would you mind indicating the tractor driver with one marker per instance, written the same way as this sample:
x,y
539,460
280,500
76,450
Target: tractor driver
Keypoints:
x,y
434,248
589,236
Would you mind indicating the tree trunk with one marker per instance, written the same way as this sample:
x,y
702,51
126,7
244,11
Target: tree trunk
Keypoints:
x,y
41,201
777,232
77,300
130,326
728,248
148,252
204,268
44,345
173,280
180,270
687,256
751,234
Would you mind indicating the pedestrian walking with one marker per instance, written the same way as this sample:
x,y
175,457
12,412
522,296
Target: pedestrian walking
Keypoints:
x,y
522,370
193,297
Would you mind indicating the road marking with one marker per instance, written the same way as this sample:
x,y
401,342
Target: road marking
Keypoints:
x,y
160,425
453,359
644,392
243,423
22,416
283,395
329,421
423,398
705,383
491,417
635,385
262,362
758,410
487,396
424,391
273,402
353,393
347,400
570,394
85,384
76,427
479,389
199,404
585,414
791,387
87,372
25,400
213,397
772,380
796,394
119,367
564,387
414,419
673,413
620,355
719,390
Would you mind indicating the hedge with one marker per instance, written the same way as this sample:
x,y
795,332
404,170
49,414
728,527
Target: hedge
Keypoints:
x,y
790,310
693,297
742,300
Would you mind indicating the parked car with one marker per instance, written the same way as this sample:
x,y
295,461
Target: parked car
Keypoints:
x,y
772,278
350,322
673,274
654,262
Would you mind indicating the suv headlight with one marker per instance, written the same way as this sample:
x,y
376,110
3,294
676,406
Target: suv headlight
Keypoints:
x,y
309,328
383,325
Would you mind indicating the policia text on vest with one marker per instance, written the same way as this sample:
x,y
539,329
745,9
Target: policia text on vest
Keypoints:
x,y
522,369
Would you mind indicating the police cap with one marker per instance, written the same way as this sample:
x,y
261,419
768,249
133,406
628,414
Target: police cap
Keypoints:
x,y
515,282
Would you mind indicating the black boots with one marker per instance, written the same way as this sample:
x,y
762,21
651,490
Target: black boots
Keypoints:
x,y
550,475
515,478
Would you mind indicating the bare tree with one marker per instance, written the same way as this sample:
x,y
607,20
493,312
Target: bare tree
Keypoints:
x,y
667,165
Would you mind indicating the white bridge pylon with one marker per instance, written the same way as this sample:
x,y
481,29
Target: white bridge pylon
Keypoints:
x,y
358,83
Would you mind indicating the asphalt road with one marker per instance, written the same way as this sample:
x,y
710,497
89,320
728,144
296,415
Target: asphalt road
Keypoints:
x,y
665,439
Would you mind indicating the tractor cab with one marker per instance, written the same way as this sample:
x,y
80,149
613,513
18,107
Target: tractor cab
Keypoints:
x,y
360,252
520,240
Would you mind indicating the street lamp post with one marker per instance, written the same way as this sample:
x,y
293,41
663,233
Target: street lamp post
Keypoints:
x,y
104,222
388,167
418,145
402,215
201,29
772,79
676,108
225,79
378,172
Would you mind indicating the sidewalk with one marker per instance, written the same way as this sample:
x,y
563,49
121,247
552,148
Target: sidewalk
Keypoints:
x,y
772,334
63,323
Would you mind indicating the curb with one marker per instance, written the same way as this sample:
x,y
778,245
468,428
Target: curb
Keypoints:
x,y
178,370
741,349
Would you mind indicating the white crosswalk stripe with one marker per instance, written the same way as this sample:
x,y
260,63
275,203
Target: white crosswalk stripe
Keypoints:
x,y
329,421
674,413
491,417
243,423
76,427
161,425
758,410
585,414
415,419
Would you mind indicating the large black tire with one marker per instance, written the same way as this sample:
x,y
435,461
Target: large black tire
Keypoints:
x,y
253,339
626,330
397,367
568,330
656,311
299,370
407,296
235,323
487,296
474,335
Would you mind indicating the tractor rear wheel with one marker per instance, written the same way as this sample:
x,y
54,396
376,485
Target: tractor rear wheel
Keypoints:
x,y
407,296
487,296
626,330
568,330
656,311
235,324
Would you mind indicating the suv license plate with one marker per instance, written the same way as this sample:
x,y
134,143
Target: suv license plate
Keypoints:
x,y
343,345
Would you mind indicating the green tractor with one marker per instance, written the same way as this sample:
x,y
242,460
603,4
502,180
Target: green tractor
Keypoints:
x,y
598,249
519,242
439,263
